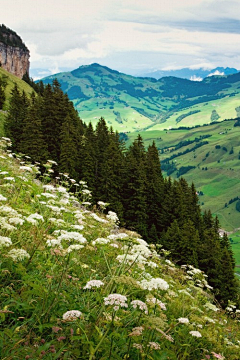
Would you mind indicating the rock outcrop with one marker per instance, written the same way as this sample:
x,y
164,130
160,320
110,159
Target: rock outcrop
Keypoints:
x,y
14,55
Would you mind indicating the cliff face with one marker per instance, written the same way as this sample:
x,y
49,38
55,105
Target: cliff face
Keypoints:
x,y
14,59
14,55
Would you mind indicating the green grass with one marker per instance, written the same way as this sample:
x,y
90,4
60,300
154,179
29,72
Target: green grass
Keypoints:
x,y
68,245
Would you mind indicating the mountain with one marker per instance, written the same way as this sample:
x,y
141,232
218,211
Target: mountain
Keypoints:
x,y
188,73
131,103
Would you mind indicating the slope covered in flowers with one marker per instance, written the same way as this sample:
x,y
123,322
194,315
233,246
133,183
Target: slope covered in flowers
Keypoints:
x,y
76,286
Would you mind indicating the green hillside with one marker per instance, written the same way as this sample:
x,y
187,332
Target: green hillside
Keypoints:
x,y
213,153
76,286
11,81
131,103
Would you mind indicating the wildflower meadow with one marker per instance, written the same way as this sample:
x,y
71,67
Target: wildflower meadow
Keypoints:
x,y
74,285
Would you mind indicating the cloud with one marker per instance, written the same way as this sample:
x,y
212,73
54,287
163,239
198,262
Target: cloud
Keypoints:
x,y
196,78
217,72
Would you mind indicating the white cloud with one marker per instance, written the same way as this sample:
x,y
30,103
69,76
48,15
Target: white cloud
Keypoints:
x,y
196,78
217,72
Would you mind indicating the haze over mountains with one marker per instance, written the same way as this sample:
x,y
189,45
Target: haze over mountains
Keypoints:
x,y
131,103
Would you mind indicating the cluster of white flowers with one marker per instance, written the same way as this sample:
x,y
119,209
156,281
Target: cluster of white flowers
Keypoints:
x,y
130,259
77,227
5,225
33,218
57,221
93,284
18,254
5,241
25,168
112,216
195,333
97,218
100,241
16,221
154,345
72,236
9,178
72,315
2,198
152,264
8,210
49,195
140,304
183,320
74,247
118,236
154,301
154,283
54,242
117,300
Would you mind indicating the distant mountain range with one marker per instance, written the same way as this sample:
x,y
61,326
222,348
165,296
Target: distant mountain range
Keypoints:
x,y
188,73
131,103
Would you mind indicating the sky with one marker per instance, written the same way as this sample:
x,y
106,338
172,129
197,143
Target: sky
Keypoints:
x,y
131,36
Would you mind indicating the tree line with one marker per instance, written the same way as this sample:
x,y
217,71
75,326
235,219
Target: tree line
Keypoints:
x,y
163,211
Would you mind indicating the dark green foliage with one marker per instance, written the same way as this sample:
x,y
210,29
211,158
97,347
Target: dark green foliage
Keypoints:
x,y
238,205
17,112
3,85
183,116
184,169
214,116
9,37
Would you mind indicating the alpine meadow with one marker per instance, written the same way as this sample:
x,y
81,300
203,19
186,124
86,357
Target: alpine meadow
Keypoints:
x,y
118,215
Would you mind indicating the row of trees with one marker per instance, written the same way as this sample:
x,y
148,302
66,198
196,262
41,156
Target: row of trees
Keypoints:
x,y
161,210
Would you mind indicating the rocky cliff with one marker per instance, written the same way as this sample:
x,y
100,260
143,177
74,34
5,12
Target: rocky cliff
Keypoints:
x,y
14,55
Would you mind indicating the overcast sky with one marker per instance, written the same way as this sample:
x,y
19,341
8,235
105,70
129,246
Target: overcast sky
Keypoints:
x,y
127,35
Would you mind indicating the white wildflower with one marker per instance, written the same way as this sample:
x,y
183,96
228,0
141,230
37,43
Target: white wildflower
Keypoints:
x,y
2,198
140,304
16,221
142,242
48,195
112,216
54,242
154,345
25,168
72,315
18,254
33,218
183,320
72,235
100,241
118,236
74,247
93,283
77,227
195,333
154,283
152,264
117,300
97,218
5,241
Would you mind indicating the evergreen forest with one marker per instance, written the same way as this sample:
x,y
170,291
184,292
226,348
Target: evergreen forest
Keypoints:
x,y
164,211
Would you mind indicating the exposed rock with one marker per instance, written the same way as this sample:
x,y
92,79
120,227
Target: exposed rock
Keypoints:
x,y
14,55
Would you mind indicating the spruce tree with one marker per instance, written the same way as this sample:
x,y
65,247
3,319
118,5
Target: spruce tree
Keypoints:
x,y
32,140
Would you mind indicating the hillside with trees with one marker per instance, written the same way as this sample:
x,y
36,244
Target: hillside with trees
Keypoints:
x,y
163,211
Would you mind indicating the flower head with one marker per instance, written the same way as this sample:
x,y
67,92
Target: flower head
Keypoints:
x,y
71,315
116,299
93,283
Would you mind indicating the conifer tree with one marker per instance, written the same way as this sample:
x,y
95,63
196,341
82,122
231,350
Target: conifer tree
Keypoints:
x,y
68,147
135,185
32,140
17,112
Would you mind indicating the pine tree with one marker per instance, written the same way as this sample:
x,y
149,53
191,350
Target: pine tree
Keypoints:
x,y
32,140
135,185
17,112
68,147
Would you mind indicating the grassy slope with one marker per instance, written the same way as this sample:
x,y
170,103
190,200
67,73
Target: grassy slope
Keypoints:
x,y
37,291
11,81
220,182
